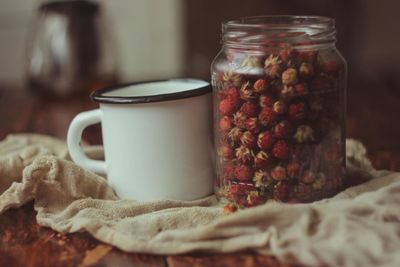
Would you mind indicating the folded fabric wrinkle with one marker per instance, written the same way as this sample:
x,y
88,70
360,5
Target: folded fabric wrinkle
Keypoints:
x,y
360,226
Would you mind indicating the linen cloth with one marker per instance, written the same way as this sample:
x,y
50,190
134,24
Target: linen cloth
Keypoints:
x,y
358,227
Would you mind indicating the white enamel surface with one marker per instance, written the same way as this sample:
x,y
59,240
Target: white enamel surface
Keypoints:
x,y
78,124
158,150
158,88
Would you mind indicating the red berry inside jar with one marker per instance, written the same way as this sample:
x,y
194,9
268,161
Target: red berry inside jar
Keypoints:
x,y
279,96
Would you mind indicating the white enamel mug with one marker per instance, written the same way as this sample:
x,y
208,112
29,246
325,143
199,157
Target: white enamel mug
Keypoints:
x,y
157,139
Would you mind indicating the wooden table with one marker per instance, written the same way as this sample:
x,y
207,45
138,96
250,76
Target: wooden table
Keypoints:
x,y
24,243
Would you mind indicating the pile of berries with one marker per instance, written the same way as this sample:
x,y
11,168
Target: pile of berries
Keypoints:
x,y
278,127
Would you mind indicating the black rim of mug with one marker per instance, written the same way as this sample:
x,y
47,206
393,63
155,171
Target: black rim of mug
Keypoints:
x,y
99,96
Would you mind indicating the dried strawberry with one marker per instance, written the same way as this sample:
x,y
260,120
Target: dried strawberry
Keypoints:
x,y
289,76
280,150
248,139
242,201
250,109
301,89
234,135
281,191
229,208
304,134
279,107
272,66
308,177
252,125
306,70
240,188
260,85
253,199
265,140
244,154
233,94
222,93
262,160
226,151
293,169
225,123
330,67
227,107
266,101
320,182
262,178
297,111
246,92
288,92
284,54
282,129
230,78
308,55
278,173
239,119
267,116
288,54
228,171
244,173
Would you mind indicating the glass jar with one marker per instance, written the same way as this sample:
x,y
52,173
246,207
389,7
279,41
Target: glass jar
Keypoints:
x,y
279,110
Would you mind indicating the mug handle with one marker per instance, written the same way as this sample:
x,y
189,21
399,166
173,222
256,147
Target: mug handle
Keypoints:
x,y
74,136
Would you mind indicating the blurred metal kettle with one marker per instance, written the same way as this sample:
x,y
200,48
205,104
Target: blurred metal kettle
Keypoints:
x,y
71,50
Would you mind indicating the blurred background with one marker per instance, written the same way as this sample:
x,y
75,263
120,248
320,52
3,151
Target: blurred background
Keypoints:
x,y
154,39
